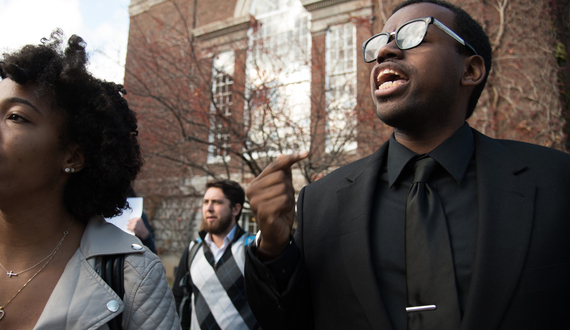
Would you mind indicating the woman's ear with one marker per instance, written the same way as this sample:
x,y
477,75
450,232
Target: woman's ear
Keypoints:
x,y
474,71
74,161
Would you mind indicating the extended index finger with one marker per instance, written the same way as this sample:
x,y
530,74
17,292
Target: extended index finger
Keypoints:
x,y
284,162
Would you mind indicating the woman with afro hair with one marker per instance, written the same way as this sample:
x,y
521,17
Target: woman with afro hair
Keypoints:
x,y
68,157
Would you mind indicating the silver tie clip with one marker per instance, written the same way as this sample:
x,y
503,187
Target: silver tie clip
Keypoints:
x,y
420,308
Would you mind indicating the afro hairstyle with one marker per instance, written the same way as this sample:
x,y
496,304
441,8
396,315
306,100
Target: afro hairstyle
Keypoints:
x,y
96,117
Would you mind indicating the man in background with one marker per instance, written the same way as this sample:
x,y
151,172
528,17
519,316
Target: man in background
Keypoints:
x,y
143,230
209,286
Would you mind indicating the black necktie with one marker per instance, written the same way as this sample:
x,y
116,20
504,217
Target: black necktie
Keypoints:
x,y
432,294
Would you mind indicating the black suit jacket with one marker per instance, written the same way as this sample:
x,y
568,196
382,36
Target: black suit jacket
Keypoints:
x,y
521,274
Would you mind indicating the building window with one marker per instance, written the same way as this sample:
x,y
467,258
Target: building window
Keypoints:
x,y
277,115
221,107
282,32
222,86
247,221
341,87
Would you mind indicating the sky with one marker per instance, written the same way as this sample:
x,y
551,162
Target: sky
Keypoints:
x,y
103,24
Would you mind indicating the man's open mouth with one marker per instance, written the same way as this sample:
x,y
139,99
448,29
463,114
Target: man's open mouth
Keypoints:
x,y
388,78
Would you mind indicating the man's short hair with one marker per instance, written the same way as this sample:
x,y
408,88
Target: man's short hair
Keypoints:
x,y
472,32
232,190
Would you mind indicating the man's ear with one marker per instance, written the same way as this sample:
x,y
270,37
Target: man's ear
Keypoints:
x,y
236,209
75,160
474,71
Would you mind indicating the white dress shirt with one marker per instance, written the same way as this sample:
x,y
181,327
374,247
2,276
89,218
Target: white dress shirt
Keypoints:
x,y
218,252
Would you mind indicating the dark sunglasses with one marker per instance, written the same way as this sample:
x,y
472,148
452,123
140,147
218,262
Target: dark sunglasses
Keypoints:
x,y
407,36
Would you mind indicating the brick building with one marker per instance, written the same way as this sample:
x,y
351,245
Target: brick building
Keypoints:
x,y
221,87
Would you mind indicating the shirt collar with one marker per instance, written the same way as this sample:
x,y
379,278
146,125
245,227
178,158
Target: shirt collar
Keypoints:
x,y
229,237
398,157
454,154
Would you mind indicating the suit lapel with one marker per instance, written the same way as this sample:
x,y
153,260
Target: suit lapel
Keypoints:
x,y
355,239
506,193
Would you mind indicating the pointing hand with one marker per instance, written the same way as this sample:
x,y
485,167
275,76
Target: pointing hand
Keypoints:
x,y
272,199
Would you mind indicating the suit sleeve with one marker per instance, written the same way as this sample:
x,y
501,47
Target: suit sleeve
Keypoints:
x,y
278,291
149,241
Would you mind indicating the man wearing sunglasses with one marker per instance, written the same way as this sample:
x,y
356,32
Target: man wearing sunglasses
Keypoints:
x,y
442,228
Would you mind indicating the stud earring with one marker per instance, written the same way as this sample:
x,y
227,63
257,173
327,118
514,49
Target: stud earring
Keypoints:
x,y
67,170
72,170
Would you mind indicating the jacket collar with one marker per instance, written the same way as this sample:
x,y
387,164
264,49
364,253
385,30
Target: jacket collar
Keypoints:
x,y
103,238
358,192
81,296
506,192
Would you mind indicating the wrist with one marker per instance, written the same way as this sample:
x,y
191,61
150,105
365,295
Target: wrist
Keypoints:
x,y
142,233
266,251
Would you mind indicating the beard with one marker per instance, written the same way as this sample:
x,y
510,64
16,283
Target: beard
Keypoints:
x,y
217,227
